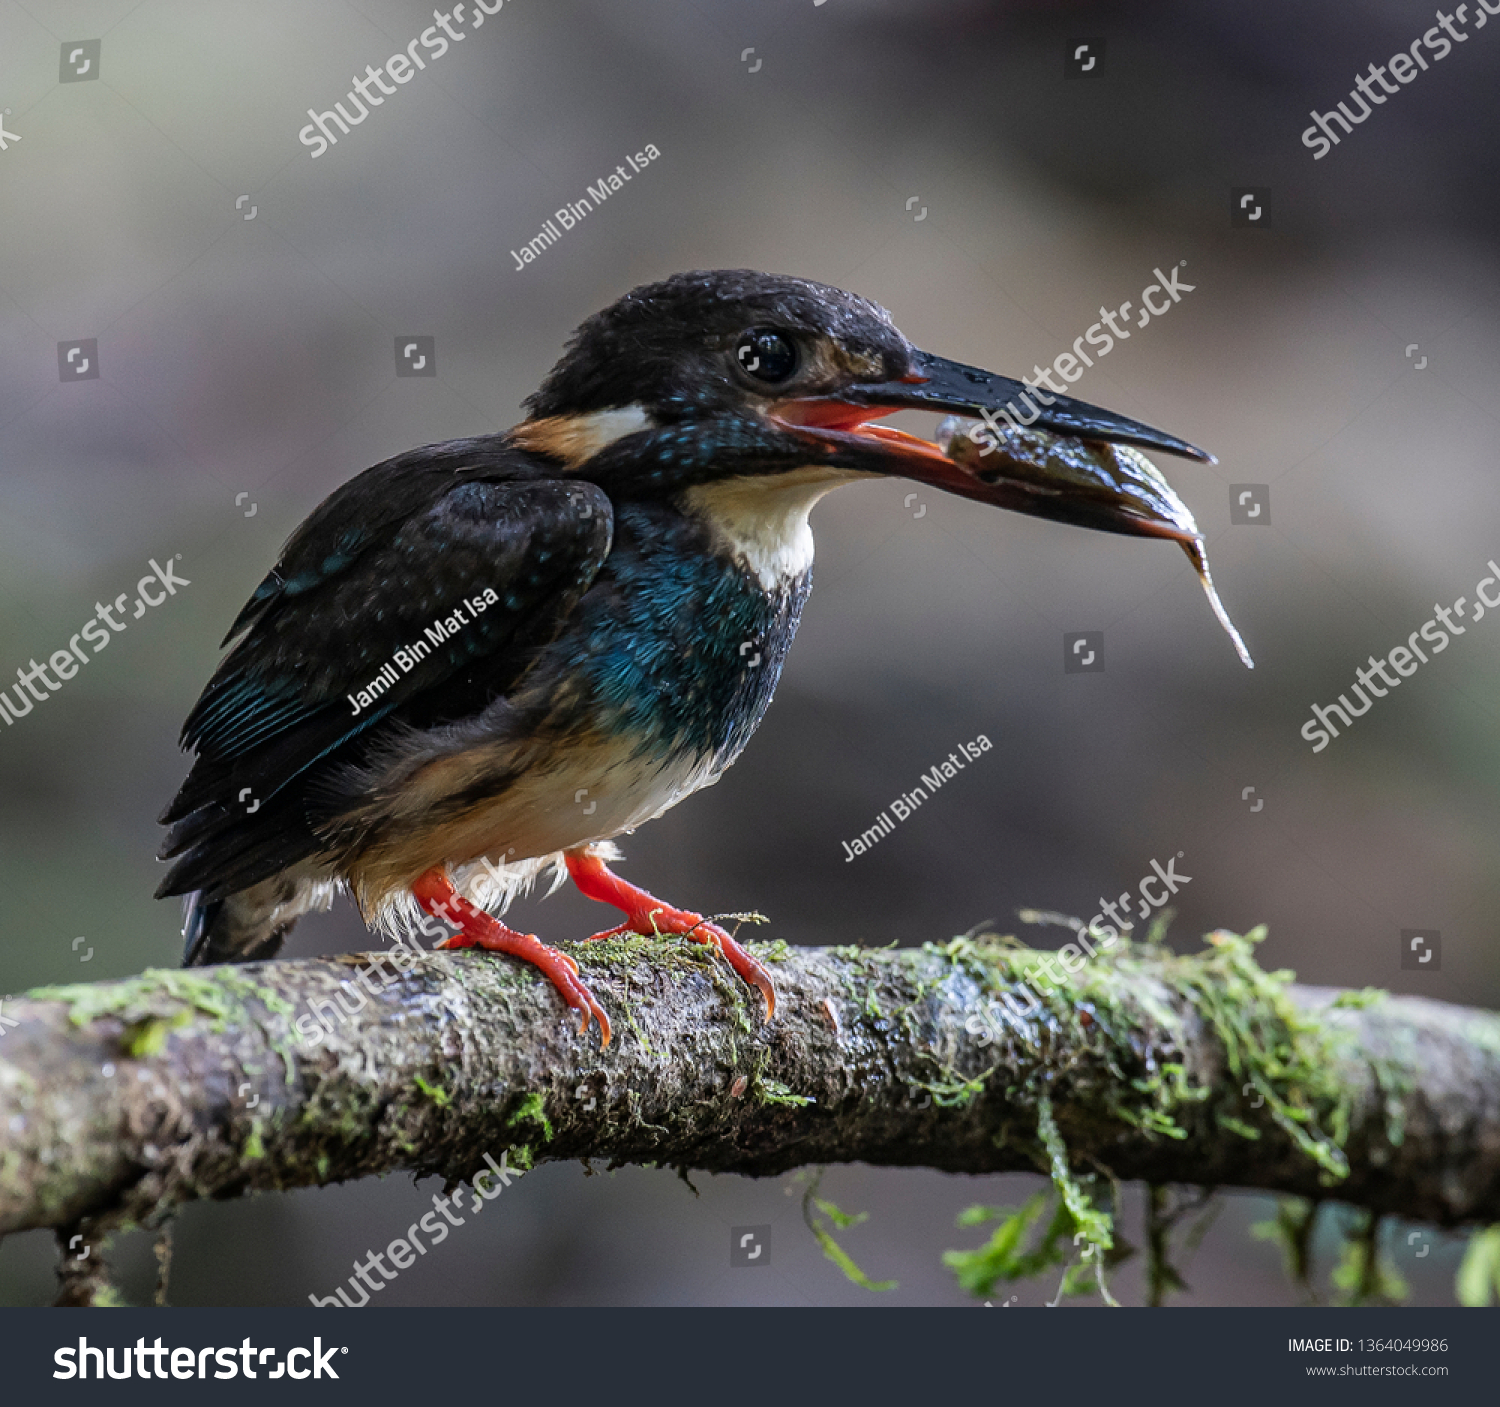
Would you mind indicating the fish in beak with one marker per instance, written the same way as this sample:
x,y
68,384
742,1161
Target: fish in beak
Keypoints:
x,y
1092,483
1071,461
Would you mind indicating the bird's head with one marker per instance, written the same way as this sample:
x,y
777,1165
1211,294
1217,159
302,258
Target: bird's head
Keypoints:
x,y
714,375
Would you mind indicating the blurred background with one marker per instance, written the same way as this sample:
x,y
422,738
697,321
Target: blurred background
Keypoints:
x,y
245,299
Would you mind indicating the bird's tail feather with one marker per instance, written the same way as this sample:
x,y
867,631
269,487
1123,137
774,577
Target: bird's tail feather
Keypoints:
x,y
250,925
198,918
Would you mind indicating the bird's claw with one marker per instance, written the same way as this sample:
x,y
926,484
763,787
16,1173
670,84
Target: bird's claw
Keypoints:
x,y
683,923
478,929
749,969
557,966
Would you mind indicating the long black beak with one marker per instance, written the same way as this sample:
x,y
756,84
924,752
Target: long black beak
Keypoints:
x,y
935,383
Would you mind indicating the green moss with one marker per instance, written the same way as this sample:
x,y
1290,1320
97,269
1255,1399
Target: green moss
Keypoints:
x,y
221,993
812,1204
1285,1055
1014,1250
108,1297
1283,1058
1030,1240
1363,1274
532,1109
637,1031
436,1093
656,950
678,954
143,1039
1393,1078
1292,1229
1479,1274
134,998
1078,1234
254,1148
1288,1063
1091,1226
952,1091
770,1091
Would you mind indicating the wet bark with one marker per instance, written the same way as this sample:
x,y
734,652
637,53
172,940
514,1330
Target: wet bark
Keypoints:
x,y
119,1101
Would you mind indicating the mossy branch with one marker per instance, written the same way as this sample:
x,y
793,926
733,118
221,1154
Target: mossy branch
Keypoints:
x,y
121,1100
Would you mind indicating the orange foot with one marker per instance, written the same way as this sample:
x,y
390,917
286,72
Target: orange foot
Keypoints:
x,y
434,891
646,914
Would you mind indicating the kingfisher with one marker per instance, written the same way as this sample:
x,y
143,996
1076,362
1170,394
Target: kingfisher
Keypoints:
x,y
488,658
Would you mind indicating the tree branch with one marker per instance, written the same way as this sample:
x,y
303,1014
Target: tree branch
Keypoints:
x,y
121,1100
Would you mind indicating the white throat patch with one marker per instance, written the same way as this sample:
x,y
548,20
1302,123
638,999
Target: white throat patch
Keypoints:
x,y
762,518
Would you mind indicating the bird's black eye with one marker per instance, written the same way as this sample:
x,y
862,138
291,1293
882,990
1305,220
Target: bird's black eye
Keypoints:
x,y
766,354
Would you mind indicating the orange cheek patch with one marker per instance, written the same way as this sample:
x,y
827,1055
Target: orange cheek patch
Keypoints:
x,y
575,439
564,437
